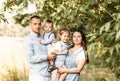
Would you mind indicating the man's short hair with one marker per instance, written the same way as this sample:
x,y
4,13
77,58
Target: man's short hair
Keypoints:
x,y
35,16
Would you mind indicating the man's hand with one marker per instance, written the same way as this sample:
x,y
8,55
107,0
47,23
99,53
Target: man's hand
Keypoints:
x,y
56,52
51,56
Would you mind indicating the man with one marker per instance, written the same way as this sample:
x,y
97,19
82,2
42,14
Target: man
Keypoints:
x,y
36,53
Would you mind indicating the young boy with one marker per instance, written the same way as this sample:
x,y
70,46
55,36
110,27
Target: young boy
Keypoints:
x,y
49,40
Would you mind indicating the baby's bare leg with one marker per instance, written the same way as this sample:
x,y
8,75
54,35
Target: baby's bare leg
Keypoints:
x,y
62,77
51,62
57,77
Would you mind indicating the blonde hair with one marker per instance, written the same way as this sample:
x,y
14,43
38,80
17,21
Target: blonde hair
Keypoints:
x,y
61,31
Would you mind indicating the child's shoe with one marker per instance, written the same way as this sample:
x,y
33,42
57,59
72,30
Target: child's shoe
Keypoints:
x,y
51,68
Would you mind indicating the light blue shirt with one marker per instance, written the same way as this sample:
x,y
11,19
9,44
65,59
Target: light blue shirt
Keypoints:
x,y
71,62
61,46
48,38
36,55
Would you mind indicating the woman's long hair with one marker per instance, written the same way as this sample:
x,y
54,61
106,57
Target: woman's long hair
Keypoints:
x,y
84,43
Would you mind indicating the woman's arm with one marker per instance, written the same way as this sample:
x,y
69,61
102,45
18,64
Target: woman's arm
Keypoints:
x,y
78,69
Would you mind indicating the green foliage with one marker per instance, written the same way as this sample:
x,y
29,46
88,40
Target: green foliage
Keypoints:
x,y
63,12
16,5
2,18
22,19
100,19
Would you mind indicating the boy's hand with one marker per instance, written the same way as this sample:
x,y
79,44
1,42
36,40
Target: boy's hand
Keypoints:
x,y
40,41
65,51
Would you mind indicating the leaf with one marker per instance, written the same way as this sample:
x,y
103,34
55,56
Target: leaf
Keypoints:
x,y
82,9
117,25
118,35
110,36
101,29
108,60
116,15
111,50
117,47
107,26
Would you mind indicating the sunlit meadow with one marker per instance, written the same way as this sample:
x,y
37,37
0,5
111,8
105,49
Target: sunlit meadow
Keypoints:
x,y
13,66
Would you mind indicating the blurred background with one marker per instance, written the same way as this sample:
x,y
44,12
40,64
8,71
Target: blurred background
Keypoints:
x,y
99,19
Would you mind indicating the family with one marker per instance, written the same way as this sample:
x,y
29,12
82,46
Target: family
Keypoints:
x,y
48,55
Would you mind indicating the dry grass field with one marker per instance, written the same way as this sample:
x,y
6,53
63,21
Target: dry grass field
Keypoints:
x,y
11,51
13,66
12,59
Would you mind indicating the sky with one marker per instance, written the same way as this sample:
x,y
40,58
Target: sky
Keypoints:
x,y
31,8
1,5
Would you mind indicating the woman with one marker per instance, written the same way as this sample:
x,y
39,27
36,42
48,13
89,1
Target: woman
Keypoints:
x,y
75,59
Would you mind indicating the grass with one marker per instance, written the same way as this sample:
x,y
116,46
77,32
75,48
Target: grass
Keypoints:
x,y
92,73
13,66
14,73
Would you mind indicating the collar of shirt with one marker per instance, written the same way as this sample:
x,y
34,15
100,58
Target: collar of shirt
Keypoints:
x,y
47,33
34,34
63,43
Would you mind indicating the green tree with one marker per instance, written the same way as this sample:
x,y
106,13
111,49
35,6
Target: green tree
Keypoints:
x,y
99,19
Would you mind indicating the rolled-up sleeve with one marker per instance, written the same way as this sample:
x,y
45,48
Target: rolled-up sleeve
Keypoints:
x,y
30,53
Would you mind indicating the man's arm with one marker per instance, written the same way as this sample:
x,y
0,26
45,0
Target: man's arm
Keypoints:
x,y
29,51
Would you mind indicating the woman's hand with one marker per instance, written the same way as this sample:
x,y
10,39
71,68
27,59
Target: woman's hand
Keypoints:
x,y
62,70
65,52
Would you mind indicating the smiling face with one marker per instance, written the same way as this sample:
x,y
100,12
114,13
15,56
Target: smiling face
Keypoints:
x,y
64,37
35,25
77,38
